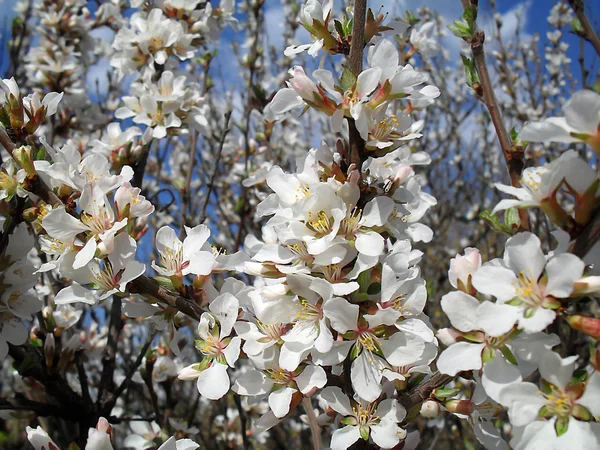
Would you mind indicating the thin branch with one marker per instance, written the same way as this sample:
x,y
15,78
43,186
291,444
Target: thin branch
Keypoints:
x,y
243,421
213,176
110,351
588,31
355,59
421,392
513,157
186,193
147,286
312,422
588,237
134,367
83,380
147,376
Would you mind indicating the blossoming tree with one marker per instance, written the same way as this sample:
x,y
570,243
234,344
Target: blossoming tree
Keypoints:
x,y
187,267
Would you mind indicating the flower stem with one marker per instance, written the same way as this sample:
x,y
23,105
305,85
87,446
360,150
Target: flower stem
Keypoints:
x,y
312,422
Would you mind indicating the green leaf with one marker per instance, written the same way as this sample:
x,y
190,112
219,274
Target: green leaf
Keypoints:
x,y
580,375
461,30
339,28
36,343
512,221
411,18
374,288
364,432
364,279
576,27
508,355
494,222
444,393
470,16
468,445
41,154
488,354
561,425
470,71
349,26
347,80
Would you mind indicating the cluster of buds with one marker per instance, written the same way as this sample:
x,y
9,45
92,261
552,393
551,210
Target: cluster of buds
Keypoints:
x,y
23,116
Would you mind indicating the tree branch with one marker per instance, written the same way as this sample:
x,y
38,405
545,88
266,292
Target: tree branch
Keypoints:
x,y
147,286
513,157
423,390
588,31
355,58
312,422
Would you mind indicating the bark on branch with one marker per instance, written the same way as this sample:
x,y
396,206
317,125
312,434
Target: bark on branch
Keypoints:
x,y
513,157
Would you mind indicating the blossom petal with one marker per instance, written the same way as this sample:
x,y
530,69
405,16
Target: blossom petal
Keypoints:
x,y
279,401
460,356
343,438
213,383
524,402
563,270
557,370
497,374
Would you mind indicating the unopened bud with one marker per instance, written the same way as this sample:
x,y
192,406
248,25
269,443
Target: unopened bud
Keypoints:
x,y
430,409
49,348
586,286
46,312
459,406
103,425
24,156
587,325
68,351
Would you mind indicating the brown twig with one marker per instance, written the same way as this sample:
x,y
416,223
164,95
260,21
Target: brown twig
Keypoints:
x,y
211,183
421,392
588,31
312,422
588,237
513,157
147,376
355,58
186,194
110,351
147,286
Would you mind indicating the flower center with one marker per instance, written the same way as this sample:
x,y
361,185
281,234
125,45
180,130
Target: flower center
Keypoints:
x,y
280,376
528,290
321,224
365,414
558,403
384,127
308,313
351,222
172,258
210,346
273,331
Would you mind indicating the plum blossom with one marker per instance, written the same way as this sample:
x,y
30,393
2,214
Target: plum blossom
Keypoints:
x,y
364,420
561,415
192,256
219,350
580,123
516,280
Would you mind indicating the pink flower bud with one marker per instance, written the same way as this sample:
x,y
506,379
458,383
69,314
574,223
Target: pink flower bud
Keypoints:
x,y
461,267
587,325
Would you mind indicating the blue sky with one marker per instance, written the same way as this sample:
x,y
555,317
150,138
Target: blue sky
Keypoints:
x,y
531,13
